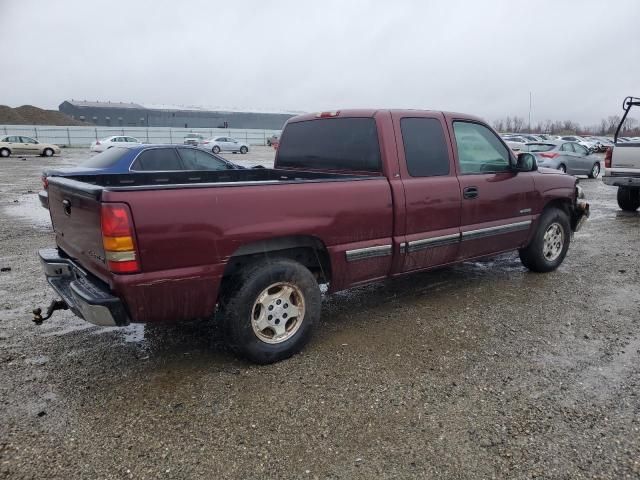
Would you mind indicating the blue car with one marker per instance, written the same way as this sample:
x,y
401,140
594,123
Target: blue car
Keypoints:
x,y
140,158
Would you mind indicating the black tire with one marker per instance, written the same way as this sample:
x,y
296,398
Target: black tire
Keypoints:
x,y
239,308
243,150
628,198
47,152
595,170
533,256
562,167
5,152
215,149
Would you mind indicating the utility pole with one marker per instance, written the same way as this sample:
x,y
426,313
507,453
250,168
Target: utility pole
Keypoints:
x,y
530,102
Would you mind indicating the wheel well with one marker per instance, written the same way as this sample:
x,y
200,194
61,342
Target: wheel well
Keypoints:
x,y
306,250
561,204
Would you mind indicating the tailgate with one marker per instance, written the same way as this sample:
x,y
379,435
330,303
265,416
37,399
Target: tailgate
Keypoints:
x,y
75,214
626,156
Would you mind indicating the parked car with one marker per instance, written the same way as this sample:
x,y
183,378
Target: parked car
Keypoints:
x,y
339,208
21,145
225,144
568,157
114,141
140,158
515,143
622,164
597,143
193,139
271,140
589,145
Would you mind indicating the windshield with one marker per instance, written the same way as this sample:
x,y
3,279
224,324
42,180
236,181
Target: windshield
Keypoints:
x,y
107,158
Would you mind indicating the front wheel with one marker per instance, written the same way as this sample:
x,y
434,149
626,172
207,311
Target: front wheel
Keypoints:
x,y
271,309
47,152
595,170
215,149
243,150
550,242
628,198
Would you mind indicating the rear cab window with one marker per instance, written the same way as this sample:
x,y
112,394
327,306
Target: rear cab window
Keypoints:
x,y
349,144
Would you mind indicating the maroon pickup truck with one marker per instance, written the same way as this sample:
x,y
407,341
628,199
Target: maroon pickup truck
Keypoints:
x,y
354,197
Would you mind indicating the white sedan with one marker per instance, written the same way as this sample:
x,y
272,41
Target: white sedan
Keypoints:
x,y
224,144
115,141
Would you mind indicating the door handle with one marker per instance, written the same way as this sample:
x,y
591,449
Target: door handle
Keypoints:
x,y
470,192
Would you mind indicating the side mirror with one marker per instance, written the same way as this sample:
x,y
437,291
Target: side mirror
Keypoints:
x,y
526,163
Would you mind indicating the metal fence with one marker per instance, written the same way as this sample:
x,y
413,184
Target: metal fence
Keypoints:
x,y
83,136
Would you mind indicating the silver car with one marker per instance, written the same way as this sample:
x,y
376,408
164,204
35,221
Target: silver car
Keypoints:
x,y
568,157
224,144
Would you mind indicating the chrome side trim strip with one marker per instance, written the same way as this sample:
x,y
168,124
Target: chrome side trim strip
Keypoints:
x,y
433,242
497,230
368,252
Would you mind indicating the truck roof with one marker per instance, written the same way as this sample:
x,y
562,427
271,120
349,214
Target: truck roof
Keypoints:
x,y
371,112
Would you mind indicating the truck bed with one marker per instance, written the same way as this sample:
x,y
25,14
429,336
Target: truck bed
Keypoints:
x,y
189,224
94,184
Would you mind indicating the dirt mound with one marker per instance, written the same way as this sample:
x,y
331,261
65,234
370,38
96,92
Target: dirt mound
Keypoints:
x,y
30,115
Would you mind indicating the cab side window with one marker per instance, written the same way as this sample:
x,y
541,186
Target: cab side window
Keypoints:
x,y
479,149
425,147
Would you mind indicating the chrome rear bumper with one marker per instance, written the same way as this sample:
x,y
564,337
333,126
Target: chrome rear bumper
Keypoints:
x,y
86,296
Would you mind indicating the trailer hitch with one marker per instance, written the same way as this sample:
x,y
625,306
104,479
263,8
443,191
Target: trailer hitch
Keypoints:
x,y
55,305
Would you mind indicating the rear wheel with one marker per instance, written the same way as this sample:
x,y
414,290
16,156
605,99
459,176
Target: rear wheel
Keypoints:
x,y
4,152
562,167
47,152
270,310
550,242
628,198
243,150
215,149
595,170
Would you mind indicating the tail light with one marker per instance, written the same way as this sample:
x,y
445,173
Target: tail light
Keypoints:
x,y
45,182
608,155
549,155
117,238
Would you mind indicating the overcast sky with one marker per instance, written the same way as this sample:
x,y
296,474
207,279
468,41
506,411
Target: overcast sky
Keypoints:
x,y
578,58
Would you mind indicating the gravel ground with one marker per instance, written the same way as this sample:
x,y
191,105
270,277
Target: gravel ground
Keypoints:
x,y
483,370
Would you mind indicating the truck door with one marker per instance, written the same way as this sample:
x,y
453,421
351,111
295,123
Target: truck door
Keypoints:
x,y
431,188
496,201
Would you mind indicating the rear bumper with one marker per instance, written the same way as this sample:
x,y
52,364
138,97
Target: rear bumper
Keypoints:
x,y
86,296
621,181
